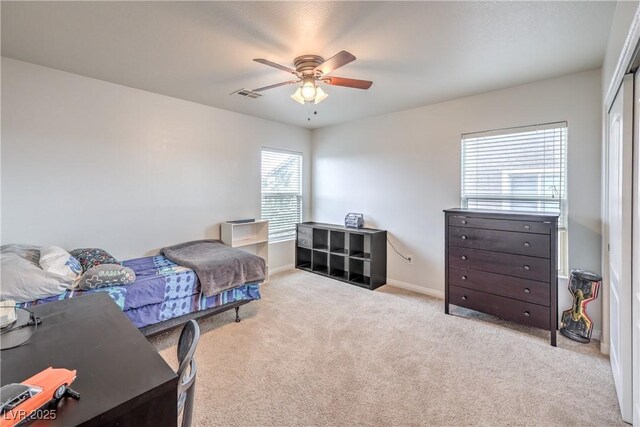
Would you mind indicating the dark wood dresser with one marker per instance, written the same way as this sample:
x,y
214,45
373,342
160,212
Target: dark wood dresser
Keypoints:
x,y
503,263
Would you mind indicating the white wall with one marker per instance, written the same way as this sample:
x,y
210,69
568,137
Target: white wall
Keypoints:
x,y
91,163
402,169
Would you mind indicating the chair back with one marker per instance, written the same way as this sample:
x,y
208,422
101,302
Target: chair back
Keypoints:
x,y
187,370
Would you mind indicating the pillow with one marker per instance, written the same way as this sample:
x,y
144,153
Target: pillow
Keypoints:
x,y
56,260
92,257
23,280
106,275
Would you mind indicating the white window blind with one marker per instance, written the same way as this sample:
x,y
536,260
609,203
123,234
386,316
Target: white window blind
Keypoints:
x,y
521,169
281,192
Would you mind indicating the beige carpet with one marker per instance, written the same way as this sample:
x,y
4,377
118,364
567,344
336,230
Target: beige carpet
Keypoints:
x,y
315,351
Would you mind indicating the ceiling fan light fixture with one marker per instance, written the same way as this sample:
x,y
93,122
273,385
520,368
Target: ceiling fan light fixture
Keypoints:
x,y
308,91
320,95
298,96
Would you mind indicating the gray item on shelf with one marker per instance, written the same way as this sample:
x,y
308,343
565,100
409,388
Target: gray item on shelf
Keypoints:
x,y
242,221
354,220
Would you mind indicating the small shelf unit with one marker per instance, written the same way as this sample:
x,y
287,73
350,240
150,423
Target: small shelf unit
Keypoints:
x,y
354,255
251,236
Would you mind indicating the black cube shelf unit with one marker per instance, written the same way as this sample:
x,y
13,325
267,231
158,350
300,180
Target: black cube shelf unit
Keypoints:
x,y
356,256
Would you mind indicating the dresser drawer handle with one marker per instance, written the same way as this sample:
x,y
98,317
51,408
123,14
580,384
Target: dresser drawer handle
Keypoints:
x,y
464,277
463,257
527,227
526,267
527,244
304,242
527,290
527,314
463,222
463,237
464,297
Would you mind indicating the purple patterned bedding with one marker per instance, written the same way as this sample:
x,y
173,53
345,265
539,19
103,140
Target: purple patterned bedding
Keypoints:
x,y
162,290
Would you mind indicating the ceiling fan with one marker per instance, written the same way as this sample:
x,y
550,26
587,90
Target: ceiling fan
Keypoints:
x,y
312,69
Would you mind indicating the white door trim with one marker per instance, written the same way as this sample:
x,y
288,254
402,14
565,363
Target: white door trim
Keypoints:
x,y
631,43
635,253
617,282
627,55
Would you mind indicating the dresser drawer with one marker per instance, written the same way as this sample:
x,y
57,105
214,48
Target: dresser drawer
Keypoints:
x,y
498,284
504,308
501,241
304,240
305,231
497,262
500,224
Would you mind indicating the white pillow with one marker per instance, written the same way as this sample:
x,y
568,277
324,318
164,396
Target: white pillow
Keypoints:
x,y
56,260
23,280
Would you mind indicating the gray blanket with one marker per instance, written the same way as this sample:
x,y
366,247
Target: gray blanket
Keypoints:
x,y
218,267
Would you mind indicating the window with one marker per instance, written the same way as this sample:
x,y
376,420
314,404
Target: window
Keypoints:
x,y
522,169
281,193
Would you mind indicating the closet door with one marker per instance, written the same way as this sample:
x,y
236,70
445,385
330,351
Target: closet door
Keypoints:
x,y
635,301
618,222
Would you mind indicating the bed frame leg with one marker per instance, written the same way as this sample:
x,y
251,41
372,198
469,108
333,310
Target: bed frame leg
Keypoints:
x,y
238,315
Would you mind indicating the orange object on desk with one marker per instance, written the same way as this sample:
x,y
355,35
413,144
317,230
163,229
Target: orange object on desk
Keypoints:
x,y
21,401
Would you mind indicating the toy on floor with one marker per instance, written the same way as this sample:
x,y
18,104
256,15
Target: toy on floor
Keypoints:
x,y
576,324
19,402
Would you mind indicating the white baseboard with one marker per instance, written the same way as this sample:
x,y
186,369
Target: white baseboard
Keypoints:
x,y
415,288
281,269
596,335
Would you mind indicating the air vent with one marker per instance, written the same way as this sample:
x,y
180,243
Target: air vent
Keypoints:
x,y
247,93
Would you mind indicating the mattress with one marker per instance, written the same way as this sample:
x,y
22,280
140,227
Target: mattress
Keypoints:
x,y
162,290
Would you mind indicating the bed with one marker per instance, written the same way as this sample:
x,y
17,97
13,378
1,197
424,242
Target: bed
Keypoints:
x,y
165,295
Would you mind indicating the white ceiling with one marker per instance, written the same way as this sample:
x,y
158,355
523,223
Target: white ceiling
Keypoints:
x,y
416,53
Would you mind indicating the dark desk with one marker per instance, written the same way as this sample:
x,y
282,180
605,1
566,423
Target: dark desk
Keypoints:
x,y
121,378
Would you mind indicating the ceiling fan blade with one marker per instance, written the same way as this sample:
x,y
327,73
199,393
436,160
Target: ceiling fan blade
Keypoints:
x,y
354,83
275,85
336,61
274,65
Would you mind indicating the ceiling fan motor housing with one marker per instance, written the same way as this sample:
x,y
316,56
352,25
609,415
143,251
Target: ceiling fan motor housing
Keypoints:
x,y
306,64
